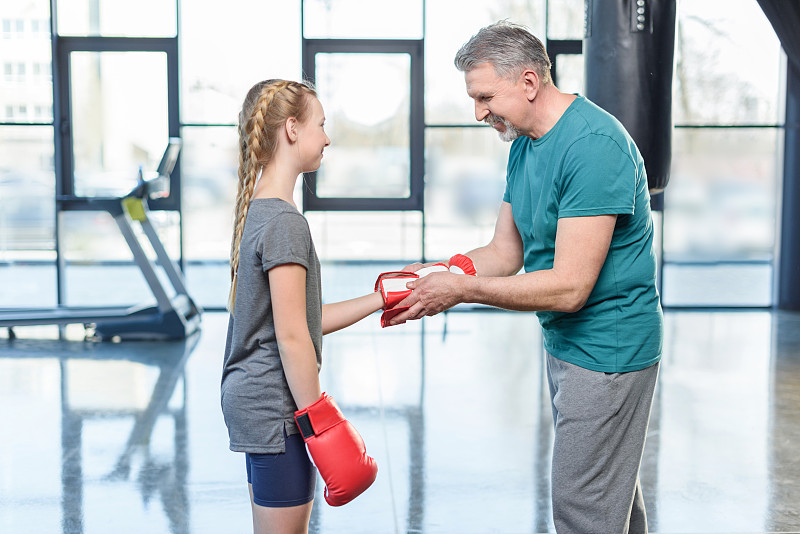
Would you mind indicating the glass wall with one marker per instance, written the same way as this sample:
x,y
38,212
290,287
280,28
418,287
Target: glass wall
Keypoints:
x,y
27,175
114,133
356,19
224,52
368,118
143,18
465,161
720,206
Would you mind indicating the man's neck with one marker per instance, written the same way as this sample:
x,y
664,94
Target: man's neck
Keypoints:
x,y
550,104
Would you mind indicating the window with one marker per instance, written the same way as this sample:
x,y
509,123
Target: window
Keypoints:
x,y
376,121
347,19
465,162
111,89
214,84
720,204
39,27
727,139
446,101
213,87
27,216
110,18
565,20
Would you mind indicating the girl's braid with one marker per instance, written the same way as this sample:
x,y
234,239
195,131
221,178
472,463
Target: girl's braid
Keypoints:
x,y
254,151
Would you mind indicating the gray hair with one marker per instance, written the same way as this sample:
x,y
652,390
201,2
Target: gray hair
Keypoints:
x,y
508,47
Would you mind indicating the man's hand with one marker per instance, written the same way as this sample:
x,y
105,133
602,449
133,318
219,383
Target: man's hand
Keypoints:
x,y
430,295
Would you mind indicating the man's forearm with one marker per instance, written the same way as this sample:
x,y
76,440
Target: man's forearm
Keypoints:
x,y
536,291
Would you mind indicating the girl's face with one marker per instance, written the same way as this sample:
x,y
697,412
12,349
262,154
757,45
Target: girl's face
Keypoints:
x,y
311,137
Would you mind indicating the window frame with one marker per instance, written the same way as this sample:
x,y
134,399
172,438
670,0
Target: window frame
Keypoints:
x,y
63,47
415,49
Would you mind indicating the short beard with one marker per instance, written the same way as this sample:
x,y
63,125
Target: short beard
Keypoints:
x,y
510,132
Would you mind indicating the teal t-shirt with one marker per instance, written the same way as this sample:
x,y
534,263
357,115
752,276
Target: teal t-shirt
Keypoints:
x,y
586,165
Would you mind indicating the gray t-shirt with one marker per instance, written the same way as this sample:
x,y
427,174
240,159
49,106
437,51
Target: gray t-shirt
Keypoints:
x,y
256,401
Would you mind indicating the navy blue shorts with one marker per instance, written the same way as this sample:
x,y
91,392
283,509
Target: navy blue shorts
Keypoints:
x,y
283,479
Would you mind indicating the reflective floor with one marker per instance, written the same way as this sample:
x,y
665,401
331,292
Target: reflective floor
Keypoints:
x,y
101,438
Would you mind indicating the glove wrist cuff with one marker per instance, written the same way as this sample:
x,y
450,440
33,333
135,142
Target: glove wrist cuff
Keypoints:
x,y
318,417
461,264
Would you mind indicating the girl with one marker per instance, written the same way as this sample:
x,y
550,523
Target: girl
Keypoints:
x,y
277,320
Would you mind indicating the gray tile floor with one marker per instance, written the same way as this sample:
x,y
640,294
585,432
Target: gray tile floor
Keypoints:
x,y
128,437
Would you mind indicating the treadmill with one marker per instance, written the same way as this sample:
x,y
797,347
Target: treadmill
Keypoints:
x,y
172,317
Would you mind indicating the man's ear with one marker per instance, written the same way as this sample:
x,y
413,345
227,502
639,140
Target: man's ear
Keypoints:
x,y
530,81
291,128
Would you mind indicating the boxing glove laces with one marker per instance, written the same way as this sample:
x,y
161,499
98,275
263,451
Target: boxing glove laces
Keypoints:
x,y
338,451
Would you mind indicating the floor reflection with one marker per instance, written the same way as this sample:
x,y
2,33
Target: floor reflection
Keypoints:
x,y
103,384
129,437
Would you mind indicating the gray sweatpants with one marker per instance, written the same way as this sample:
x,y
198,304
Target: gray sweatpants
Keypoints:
x,y
601,423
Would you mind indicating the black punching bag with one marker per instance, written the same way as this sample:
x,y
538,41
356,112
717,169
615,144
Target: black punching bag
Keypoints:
x,y
629,51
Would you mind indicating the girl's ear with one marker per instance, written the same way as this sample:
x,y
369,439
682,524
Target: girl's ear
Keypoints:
x,y
291,129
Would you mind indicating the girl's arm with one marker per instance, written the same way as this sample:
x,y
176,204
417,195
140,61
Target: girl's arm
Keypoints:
x,y
338,315
299,359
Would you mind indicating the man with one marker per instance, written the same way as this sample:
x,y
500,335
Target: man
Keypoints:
x,y
576,215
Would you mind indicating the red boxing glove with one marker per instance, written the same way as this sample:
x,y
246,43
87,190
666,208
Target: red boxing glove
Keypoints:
x,y
392,285
337,450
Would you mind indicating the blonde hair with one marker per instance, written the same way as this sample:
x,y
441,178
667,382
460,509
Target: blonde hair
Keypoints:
x,y
266,108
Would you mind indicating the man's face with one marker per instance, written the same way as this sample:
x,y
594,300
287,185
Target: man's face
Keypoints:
x,y
497,100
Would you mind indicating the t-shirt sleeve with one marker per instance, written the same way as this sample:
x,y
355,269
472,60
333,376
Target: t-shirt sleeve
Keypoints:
x,y
599,178
285,239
